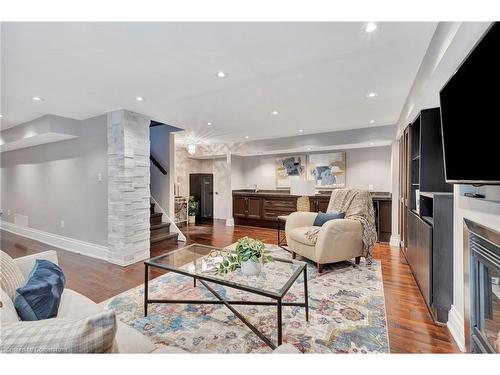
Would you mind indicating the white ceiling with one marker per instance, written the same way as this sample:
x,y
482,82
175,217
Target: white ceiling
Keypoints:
x,y
317,75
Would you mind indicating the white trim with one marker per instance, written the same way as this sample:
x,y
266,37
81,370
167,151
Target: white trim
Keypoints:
x,y
61,242
395,240
456,327
230,222
173,227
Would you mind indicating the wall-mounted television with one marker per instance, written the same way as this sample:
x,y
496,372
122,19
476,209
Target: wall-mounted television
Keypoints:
x,y
470,115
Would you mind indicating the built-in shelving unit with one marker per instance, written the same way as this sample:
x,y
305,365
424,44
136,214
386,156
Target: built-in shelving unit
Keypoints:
x,y
430,215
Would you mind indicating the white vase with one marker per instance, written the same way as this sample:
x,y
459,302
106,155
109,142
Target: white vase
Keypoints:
x,y
191,219
251,268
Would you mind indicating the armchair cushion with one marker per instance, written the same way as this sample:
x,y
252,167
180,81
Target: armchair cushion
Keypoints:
x,y
322,217
299,235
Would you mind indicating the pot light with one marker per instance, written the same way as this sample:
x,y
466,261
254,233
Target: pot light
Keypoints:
x,y
36,99
371,94
1,116
370,27
301,130
246,137
221,74
139,99
309,149
209,123
274,113
372,121
372,143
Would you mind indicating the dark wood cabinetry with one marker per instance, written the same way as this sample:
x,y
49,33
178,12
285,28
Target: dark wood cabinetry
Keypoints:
x,y
426,220
262,209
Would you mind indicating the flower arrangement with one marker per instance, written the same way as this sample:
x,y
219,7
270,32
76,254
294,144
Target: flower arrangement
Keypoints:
x,y
247,250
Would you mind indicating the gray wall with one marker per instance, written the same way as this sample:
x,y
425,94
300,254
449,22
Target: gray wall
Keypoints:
x,y
364,166
160,148
59,181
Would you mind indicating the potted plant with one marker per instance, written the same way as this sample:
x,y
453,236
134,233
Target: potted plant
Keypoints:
x,y
193,207
249,255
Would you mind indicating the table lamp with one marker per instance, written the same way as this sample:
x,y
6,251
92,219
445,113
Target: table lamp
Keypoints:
x,y
304,189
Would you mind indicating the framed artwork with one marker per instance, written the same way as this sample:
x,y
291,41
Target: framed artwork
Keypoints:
x,y
328,169
290,168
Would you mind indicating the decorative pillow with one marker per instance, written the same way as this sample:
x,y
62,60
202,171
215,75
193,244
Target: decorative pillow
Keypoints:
x,y
93,334
322,218
7,310
11,276
39,298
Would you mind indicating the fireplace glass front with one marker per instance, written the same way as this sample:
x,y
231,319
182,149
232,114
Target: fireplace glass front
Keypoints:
x,y
485,317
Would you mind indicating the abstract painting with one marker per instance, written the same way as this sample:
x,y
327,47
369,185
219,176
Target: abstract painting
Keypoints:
x,y
290,168
328,169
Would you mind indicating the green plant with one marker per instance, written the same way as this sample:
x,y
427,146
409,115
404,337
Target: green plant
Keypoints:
x,y
193,206
247,249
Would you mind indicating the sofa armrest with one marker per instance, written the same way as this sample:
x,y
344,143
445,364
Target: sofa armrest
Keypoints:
x,y
343,232
286,349
27,263
300,219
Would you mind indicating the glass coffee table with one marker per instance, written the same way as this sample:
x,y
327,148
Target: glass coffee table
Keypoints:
x,y
196,261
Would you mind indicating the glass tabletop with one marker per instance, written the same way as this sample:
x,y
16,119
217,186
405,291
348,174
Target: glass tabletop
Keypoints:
x,y
200,261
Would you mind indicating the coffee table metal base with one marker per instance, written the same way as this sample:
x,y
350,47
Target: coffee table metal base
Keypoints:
x,y
229,304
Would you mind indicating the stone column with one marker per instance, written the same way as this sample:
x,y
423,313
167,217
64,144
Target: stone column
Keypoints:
x,y
128,187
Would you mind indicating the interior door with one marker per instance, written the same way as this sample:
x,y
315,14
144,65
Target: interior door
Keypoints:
x,y
207,196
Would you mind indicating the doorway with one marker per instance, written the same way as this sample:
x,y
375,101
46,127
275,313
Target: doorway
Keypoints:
x,y
201,187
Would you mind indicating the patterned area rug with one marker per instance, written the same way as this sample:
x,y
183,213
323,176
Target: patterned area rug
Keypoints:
x,y
347,314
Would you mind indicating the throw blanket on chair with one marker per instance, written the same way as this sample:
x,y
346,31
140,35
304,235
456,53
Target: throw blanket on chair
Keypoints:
x,y
357,205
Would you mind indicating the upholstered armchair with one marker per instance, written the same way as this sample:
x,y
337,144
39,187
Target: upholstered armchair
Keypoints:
x,y
336,240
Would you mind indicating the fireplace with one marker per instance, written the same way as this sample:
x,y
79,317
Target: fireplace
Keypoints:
x,y
482,288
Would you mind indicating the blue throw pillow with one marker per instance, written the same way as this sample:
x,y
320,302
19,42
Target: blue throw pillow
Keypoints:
x,y
39,298
322,218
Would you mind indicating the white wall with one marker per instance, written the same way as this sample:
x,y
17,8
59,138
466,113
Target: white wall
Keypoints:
x,y
364,167
59,181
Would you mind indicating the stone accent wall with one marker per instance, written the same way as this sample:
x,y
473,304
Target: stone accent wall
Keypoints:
x,y
128,187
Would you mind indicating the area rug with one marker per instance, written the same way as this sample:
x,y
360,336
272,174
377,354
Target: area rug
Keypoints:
x,y
347,313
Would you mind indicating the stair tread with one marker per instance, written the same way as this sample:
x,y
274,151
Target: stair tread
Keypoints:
x,y
163,236
159,226
156,214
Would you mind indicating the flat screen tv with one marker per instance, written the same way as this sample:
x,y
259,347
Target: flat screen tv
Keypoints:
x,y
470,115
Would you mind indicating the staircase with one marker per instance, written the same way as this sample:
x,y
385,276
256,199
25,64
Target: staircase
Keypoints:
x,y
160,232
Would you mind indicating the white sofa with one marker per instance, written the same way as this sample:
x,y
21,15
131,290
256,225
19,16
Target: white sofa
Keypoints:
x,y
127,340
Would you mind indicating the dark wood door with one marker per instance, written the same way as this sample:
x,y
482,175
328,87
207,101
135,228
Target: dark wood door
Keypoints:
x,y
239,207
254,208
201,188
385,221
207,197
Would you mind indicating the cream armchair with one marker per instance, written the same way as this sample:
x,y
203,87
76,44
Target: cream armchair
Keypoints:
x,y
337,239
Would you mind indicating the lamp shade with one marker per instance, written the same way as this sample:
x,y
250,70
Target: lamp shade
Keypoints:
x,y
302,187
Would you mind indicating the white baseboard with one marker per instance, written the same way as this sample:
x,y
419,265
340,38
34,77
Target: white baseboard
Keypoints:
x,y
395,240
61,242
230,222
456,326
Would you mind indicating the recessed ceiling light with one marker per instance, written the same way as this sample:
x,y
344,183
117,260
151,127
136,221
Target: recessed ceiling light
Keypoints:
x,y
209,123
1,116
301,130
309,149
372,94
139,99
372,143
370,27
274,113
36,99
372,121
221,74
246,137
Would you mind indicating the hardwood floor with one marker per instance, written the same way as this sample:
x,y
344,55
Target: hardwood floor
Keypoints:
x,y
411,329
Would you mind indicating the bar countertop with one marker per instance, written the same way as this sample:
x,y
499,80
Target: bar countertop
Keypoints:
x,y
376,195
